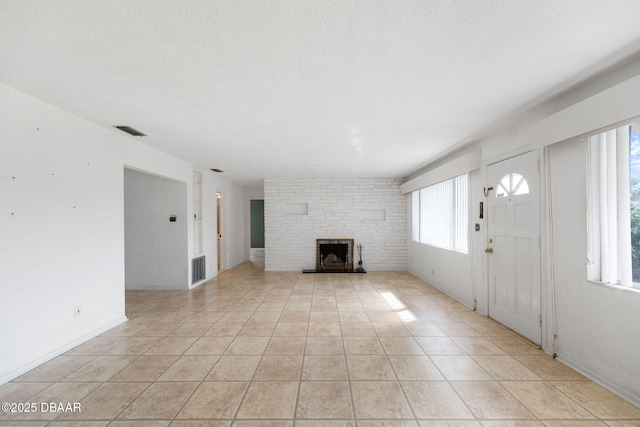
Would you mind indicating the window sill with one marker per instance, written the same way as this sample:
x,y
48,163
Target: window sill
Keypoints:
x,y
632,289
440,247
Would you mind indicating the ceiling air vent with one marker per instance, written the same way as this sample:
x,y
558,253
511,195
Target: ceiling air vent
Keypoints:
x,y
130,130
217,170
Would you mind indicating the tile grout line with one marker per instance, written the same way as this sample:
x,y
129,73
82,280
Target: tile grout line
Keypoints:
x,y
346,363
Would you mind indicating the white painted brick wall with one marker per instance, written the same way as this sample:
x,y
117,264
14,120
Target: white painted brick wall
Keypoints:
x,y
335,210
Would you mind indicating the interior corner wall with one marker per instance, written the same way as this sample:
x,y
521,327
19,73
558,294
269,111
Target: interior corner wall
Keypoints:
x,y
373,212
155,246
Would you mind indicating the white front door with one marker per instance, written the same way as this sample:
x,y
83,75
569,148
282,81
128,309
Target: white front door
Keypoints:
x,y
513,247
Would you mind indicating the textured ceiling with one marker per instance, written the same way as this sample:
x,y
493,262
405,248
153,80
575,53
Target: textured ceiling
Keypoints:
x,y
307,88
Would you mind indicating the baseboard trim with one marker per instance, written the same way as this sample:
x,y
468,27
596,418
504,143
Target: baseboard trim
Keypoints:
x,y
15,373
631,398
446,292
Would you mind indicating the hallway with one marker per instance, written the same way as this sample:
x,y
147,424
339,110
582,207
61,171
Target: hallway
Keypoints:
x,y
375,349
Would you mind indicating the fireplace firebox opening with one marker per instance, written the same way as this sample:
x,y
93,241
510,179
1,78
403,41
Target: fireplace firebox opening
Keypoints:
x,y
334,254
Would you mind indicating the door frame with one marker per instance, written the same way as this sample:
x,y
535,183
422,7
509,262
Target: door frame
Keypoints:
x,y
252,199
544,262
221,231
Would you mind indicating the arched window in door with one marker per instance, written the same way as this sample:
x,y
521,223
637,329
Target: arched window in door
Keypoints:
x,y
512,184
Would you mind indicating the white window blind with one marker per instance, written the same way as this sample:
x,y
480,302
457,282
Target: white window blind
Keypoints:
x,y
440,214
609,207
415,216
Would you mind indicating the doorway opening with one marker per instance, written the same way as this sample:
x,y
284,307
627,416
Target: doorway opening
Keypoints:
x,y
256,218
155,232
220,230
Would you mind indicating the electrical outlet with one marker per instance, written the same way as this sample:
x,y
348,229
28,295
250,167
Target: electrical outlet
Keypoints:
x,y
77,311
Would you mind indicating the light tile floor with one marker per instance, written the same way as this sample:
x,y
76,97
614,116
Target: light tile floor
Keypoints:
x,y
255,348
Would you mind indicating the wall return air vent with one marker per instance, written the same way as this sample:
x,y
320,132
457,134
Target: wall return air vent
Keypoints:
x,y
130,130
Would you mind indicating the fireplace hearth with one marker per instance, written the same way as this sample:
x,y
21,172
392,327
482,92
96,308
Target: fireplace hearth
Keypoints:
x,y
334,256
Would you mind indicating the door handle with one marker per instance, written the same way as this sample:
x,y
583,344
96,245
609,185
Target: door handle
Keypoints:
x,y
488,250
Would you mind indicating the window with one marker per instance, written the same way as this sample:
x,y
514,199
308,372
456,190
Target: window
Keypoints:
x,y
440,214
512,184
613,211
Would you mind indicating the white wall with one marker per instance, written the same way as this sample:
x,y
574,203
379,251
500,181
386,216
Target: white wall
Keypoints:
x,y
62,238
598,327
336,208
155,247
